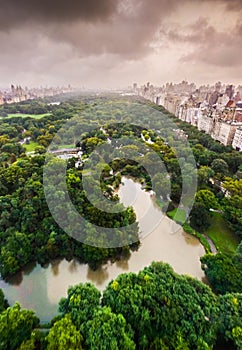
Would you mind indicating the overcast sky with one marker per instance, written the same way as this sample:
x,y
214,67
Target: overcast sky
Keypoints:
x,y
113,43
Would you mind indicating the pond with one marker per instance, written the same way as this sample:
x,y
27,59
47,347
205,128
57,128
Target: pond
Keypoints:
x,y
40,288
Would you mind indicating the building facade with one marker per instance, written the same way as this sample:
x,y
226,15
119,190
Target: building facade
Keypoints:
x,y
237,140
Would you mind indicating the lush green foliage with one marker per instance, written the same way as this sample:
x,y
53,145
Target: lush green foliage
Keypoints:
x,y
154,309
3,301
199,217
160,304
224,272
81,303
230,320
16,326
64,335
107,330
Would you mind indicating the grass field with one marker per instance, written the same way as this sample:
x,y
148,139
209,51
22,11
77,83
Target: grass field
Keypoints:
x,y
219,232
31,146
221,235
180,215
35,116
66,146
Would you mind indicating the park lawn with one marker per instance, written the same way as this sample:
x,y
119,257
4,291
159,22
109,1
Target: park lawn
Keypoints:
x,y
31,146
222,236
35,116
67,146
180,215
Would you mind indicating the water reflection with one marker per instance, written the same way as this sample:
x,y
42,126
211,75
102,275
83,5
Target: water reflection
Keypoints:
x,y
191,239
16,280
55,267
123,264
99,276
73,266
29,268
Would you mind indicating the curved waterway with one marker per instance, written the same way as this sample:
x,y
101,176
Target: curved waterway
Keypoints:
x,y
41,288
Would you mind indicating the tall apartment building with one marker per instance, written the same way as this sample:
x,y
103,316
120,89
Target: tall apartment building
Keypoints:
x,y
216,110
205,123
224,132
237,141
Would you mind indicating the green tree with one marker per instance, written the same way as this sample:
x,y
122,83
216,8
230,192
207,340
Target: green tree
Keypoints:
x,y
229,318
220,167
108,331
64,335
207,198
81,302
3,302
16,326
161,185
158,303
16,253
28,345
199,217
239,251
232,204
204,173
224,272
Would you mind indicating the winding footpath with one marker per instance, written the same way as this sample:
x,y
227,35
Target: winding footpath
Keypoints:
x,y
212,245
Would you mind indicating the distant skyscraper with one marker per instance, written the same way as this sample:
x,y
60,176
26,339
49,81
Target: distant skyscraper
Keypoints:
x,y
218,86
229,91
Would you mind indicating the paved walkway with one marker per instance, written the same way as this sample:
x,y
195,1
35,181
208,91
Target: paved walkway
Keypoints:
x,y
212,245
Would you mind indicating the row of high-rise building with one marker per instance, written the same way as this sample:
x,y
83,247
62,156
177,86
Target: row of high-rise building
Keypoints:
x,y
216,110
18,94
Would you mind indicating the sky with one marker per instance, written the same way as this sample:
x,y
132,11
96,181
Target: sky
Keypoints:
x,y
114,43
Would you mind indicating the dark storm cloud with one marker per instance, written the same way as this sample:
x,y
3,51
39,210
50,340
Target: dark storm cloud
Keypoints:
x,y
231,5
91,27
128,32
49,39
17,12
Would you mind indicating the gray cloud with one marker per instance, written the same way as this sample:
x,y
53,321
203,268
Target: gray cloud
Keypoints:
x,y
106,39
200,34
231,5
209,45
16,13
122,27
128,32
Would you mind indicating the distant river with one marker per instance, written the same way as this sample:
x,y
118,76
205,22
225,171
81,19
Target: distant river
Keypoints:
x,y
41,288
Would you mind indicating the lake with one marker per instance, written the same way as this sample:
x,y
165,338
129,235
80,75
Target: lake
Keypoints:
x,y
40,288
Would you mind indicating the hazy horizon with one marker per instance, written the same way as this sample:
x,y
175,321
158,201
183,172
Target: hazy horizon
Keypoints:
x,y
112,44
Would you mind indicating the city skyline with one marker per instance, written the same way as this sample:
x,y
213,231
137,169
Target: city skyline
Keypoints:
x,y
113,44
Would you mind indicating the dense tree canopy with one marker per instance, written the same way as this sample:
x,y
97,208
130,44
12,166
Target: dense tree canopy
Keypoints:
x,y
16,325
224,272
64,335
156,308
158,303
107,330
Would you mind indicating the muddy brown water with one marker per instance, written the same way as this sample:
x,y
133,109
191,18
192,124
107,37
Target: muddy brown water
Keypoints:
x,y
40,288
